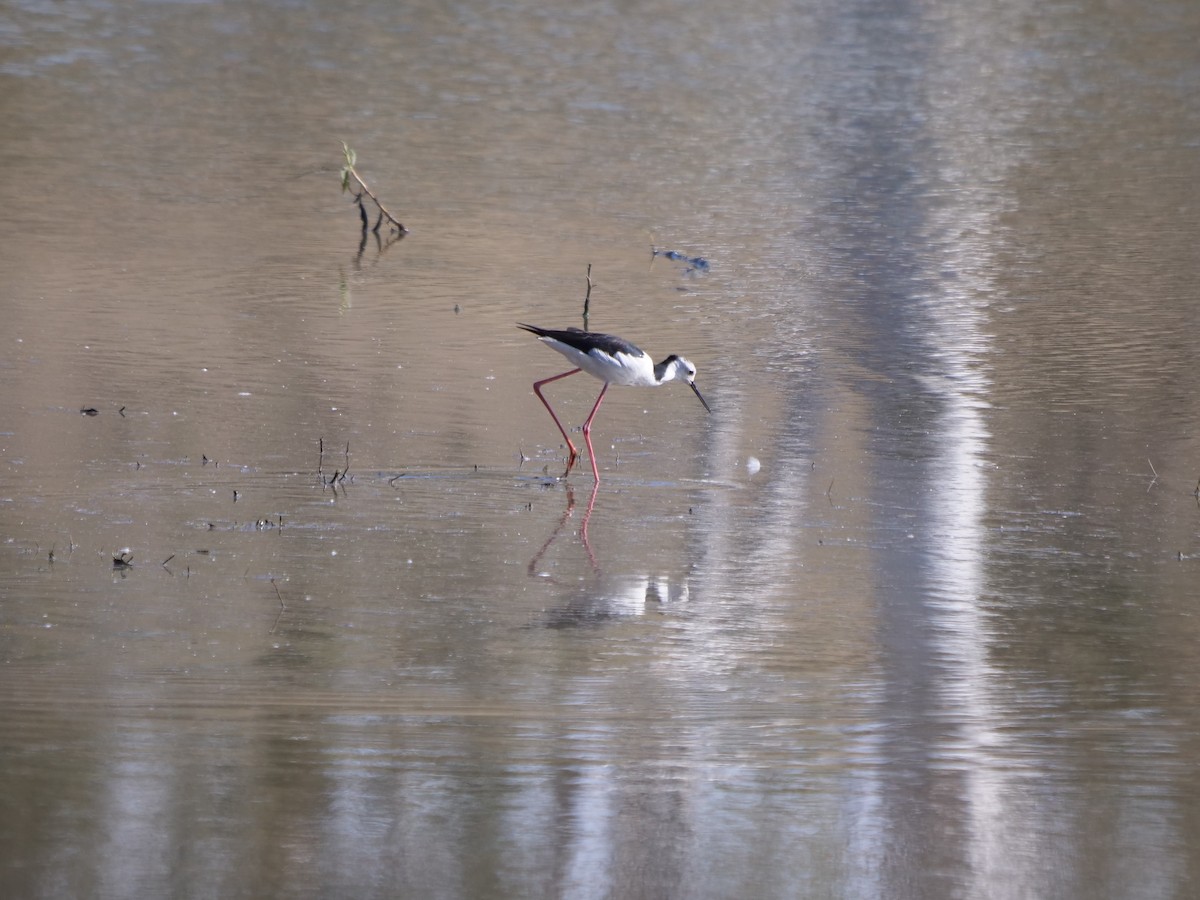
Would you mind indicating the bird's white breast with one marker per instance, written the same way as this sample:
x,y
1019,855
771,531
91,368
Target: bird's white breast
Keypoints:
x,y
621,368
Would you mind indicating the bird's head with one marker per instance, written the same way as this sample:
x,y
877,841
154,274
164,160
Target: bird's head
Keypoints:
x,y
677,367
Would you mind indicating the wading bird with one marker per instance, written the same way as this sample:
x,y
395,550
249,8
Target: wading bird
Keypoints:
x,y
613,360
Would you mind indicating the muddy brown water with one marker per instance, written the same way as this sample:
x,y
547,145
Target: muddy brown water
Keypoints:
x,y
910,615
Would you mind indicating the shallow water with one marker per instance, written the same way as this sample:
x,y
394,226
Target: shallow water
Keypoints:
x,y
909,615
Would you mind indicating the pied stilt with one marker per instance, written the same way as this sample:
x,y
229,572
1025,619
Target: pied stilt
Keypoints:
x,y
613,360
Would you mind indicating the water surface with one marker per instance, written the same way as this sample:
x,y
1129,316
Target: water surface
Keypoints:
x,y
909,615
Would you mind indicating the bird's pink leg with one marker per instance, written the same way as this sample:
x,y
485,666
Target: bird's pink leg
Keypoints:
x,y
587,432
537,389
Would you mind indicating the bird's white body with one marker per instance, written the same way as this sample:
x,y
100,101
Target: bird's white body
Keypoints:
x,y
619,367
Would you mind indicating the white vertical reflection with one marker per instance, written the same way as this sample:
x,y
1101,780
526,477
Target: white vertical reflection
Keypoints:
x,y
968,135
136,815
961,639
589,867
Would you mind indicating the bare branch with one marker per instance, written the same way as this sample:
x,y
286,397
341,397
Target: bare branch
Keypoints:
x,y
349,173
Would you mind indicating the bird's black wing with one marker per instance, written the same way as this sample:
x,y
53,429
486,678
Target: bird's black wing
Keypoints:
x,y
585,341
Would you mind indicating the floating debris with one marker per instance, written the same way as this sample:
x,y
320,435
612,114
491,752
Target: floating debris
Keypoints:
x,y
695,263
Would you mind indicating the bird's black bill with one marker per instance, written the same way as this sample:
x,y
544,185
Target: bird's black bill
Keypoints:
x,y
699,396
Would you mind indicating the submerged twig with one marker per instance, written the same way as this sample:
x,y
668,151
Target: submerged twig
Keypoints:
x,y
282,606
587,298
337,477
348,173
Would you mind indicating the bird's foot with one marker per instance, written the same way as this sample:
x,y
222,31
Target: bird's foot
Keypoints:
x,y
572,458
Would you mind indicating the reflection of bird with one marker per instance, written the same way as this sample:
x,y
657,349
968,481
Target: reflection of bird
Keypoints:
x,y
614,361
